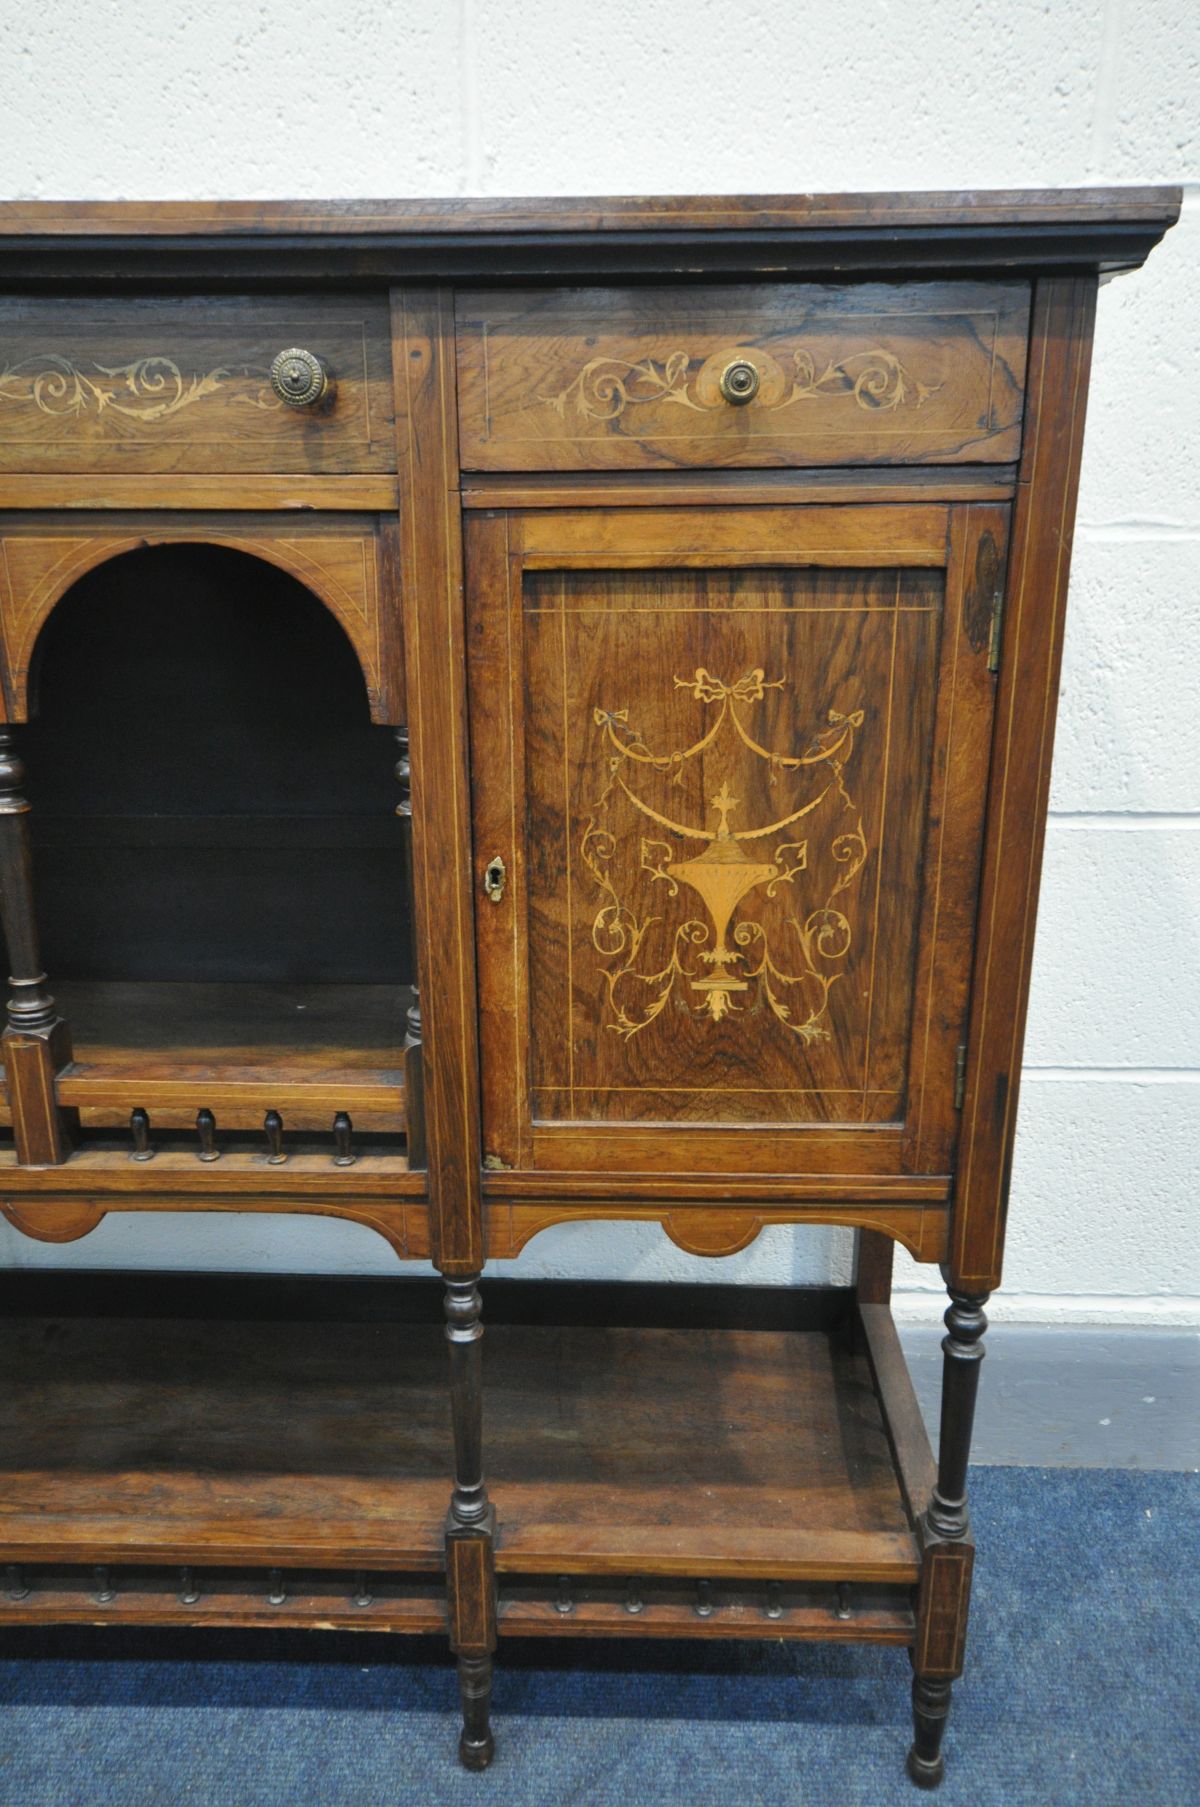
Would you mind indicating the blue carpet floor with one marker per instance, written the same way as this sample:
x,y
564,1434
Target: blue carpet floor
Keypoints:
x,y
1083,1685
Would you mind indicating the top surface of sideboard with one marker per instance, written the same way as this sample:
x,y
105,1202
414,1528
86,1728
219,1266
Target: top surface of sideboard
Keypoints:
x,y
333,243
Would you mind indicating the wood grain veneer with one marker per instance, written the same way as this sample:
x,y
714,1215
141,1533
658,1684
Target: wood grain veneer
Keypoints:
x,y
722,731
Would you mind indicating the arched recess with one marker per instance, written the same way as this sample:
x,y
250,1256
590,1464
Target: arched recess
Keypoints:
x,y
211,798
347,562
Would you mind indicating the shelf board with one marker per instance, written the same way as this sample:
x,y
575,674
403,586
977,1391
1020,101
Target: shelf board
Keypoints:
x,y
691,1452
307,1051
742,1456
296,1444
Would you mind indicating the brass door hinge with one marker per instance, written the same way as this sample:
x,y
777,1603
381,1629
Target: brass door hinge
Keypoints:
x,y
997,626
960,1075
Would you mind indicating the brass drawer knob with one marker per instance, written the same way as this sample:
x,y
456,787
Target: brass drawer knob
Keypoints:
x,y
739,382
300,379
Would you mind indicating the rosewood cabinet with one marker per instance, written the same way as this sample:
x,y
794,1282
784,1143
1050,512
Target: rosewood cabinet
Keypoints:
x,y
521,713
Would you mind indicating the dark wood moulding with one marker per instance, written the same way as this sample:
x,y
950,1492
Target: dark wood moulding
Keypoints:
x,y
343,243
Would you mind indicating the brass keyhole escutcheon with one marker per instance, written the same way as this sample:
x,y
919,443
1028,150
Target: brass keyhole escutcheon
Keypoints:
x,y
494,878
300,379
739,382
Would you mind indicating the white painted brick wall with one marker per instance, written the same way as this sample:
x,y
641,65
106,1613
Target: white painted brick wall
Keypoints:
x,y
211,98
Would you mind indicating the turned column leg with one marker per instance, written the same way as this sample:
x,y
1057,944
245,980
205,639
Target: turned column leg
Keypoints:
x,y
414,1070
470,1526
962,1353
947,1548
36,1041
930,1707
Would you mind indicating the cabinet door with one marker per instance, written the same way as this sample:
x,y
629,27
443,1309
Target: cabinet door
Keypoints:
x,y
729,768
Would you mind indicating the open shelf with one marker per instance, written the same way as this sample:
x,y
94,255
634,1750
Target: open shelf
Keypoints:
x,y
146,1440
306,1051
692,1452
723,1482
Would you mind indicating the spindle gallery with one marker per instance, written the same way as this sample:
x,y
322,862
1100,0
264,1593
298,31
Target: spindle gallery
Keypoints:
x,y
660,669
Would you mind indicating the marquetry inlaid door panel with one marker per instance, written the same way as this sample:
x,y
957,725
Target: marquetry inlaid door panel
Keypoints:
x,y
733,763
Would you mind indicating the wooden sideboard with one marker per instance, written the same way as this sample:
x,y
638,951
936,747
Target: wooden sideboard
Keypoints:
x,y
535,712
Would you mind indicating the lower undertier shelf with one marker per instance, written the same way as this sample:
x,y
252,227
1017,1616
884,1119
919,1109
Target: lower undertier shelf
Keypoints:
x,y
646,1481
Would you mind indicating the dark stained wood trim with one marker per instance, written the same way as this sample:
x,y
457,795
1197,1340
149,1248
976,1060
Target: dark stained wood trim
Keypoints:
x,y
404,1227
565,213
880,1615
902,1418
1023,739
874,1254
722,1229
54,489
943,1605
431,600
411,1299
717,1187
348,244
709,489
327,1600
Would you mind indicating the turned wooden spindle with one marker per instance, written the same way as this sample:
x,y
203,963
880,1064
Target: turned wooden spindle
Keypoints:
x,y
37,1044
464,1334
470,1525
930,1708
962,1353
412,1030
273,1129
139,1129
412,1022
414,1076
476,1746
343,1133
206,1129
945,1589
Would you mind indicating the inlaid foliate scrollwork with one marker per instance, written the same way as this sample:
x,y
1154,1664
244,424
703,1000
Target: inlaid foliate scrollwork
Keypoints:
x,y
788,966
147,389
873,379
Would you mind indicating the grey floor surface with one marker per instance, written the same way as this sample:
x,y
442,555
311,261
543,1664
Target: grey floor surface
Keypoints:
x,y
1069,1396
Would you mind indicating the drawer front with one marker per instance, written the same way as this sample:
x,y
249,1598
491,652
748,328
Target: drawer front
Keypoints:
x,y
798,374
184,385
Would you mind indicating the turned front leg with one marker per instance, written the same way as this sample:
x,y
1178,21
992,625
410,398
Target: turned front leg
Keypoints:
x,y
962,1354
470,1527
37,1044
947,1549
930,1707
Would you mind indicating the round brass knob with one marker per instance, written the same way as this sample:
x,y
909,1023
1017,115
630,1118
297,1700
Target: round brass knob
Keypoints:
x,y
299,378
739,382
